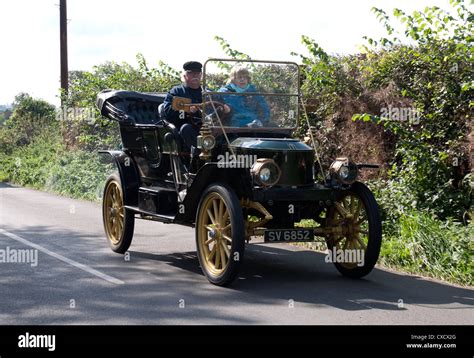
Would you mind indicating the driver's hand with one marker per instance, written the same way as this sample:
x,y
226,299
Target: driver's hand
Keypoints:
x,y
255,124
226,108
193,109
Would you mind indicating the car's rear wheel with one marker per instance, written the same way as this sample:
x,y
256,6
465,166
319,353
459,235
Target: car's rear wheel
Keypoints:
x,y
355,250
220,234
118,221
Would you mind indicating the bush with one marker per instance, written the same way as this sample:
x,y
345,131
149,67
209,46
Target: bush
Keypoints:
x,y
425,244
30,165
435,74
78,174
29,119
46,164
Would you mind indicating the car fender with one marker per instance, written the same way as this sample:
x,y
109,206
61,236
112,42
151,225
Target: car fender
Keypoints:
x,y
128,175
237,178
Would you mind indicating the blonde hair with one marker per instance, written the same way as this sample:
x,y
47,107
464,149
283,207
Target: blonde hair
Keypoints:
x,y
238,71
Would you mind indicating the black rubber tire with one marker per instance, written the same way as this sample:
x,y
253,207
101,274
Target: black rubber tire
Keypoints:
x,y
238,235
126,237
374,237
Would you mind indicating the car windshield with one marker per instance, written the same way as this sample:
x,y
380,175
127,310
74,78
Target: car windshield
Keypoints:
x,y
250,94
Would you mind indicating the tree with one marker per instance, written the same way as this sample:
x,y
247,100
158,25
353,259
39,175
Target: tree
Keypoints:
x,y
29,118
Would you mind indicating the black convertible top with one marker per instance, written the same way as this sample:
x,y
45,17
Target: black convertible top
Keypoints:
x,y
130,106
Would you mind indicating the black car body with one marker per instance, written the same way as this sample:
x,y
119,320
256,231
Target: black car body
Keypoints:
x,y
247,182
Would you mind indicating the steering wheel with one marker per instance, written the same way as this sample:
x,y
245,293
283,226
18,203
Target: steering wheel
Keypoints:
x,y
219,111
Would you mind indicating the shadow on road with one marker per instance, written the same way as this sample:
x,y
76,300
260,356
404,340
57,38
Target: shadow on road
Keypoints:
x,y
271,273
153,285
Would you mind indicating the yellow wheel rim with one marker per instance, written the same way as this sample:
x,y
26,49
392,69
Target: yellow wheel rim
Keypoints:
x,y
351,215
214,234
114,212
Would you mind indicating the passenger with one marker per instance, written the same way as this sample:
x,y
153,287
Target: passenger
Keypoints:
x,y
247,110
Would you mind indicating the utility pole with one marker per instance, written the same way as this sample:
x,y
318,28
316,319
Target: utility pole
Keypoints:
x,y
63,41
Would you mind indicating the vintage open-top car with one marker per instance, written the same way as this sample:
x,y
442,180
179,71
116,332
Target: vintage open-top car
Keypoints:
x,y
249,181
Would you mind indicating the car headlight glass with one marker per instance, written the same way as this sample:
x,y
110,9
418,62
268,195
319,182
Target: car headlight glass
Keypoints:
x,y
344,171
266,172
208,142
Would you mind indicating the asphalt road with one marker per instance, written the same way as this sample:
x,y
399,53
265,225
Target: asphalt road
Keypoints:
x,y
79,280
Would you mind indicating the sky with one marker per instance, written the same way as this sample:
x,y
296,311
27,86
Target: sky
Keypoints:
x,y
174,32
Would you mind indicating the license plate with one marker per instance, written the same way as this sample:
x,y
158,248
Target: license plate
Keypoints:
x,y
290,235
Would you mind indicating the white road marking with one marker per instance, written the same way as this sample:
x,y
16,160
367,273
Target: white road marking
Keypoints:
x,y
63,258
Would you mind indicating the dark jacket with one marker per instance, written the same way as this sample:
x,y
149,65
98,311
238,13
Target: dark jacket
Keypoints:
x,y
182,91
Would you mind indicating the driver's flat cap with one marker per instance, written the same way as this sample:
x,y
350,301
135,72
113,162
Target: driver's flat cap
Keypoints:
x,y
193,66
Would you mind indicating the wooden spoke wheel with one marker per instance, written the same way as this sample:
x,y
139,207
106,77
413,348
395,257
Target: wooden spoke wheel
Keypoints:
x,y
220,234
118,222
356,248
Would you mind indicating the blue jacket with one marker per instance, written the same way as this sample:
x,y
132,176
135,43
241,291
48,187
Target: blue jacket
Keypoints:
x,y
245,109
186,92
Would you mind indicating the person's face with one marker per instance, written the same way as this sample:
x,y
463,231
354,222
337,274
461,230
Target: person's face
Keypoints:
x,y
193,79
241,80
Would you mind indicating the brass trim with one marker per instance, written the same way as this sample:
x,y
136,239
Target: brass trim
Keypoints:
x,y
251,226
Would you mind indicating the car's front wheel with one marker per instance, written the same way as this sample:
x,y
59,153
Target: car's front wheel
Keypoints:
x,y
220,234
355,248
118,221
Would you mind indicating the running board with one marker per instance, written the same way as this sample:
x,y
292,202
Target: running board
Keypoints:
x,y
167,219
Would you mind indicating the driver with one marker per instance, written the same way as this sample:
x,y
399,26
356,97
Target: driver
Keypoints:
x,y
187,123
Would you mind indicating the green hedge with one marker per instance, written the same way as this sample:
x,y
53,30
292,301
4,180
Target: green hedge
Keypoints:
x,y
424,244
46,164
